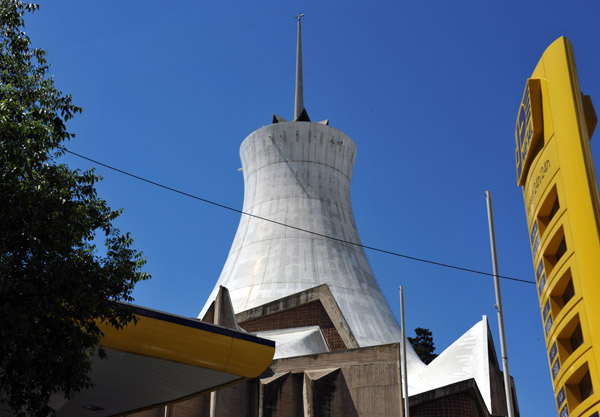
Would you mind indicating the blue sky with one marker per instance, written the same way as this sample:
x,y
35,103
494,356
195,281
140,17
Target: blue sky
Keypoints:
x,y
429,91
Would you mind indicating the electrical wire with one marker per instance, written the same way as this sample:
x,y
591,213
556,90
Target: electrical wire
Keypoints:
x,y
375,249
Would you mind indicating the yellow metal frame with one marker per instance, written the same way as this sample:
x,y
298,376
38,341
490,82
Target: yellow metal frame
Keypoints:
x,y
553,156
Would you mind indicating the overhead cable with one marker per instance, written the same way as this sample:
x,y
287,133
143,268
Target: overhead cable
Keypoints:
x,y
388,252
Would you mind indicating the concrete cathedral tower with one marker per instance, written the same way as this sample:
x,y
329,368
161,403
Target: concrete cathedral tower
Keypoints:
x,y
296,274
297,178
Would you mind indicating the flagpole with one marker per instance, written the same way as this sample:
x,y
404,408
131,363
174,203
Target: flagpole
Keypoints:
x,y
403,350
507,385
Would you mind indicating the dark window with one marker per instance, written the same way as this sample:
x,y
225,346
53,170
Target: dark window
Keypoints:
x,y
576,338
585,386
553,210
569,292
562,248
548,210
555,250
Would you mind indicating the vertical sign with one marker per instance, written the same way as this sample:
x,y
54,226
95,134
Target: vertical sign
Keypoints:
x,y
556,172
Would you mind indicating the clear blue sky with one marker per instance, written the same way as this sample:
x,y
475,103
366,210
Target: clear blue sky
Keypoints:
x,y
429,91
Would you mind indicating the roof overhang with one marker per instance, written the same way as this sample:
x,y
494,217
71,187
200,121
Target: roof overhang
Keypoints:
x,y
162,359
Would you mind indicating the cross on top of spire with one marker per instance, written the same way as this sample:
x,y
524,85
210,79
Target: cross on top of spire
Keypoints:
x,y
299,16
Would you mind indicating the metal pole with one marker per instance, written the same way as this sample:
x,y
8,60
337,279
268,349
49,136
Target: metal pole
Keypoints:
x,y
403,346
507,389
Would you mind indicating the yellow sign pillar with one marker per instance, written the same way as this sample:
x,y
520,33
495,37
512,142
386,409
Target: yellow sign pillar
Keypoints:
x,y
556,172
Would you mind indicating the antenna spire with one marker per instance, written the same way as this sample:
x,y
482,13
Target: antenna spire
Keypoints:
x,y
299,102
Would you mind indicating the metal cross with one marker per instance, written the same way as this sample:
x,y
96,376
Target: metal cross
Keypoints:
x,y
300,16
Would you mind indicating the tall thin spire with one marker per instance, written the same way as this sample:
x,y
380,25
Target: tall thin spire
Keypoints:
x,y
299,102
300,114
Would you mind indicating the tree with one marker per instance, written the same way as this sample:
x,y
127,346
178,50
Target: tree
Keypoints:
x,y
54,284
423,344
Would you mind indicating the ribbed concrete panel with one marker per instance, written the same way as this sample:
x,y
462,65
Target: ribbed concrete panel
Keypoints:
x,y
299,173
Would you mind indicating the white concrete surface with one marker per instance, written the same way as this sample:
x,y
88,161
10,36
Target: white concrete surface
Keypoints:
x,y
298,173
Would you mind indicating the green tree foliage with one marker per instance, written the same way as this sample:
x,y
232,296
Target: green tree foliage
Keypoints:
x,y
423,344
54,285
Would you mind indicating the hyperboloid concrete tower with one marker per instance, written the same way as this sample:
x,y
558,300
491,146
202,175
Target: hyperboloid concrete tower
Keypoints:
x,y
300,231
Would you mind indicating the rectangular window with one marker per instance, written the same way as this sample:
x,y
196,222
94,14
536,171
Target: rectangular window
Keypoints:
x,y
553,352
534,231
561,397
542,283
548,325
546,309
540,269
536,246
556,369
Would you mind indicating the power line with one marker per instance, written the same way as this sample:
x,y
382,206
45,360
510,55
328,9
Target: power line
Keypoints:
x,y
414,258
